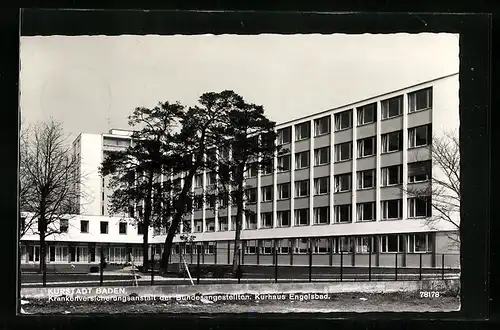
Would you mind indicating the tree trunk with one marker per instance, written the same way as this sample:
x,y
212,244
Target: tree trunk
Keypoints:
x,y
42,230
239,219
145,226
179,209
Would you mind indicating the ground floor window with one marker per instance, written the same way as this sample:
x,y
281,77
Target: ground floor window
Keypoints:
x,y
58,253
117,255
251,247
391,243
267,247
342,244
301,245
322,245
418,243
365,244
284,246
33,253
209,247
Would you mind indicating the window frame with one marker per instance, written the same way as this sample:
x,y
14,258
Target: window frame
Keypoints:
x,y
386,142
279,216
360,179
300,157
338,117
386,101
339,153
337,213
298,219
298,188
361,147
120,227
338,182
412,137
360,212
317,156
107,227
280,161
317,186
279,187
299,131
317,126
361,111
263,219
87,223
317,215
385,209
412,103
412,207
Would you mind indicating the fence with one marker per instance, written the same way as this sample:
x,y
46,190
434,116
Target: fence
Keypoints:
x,y
326,267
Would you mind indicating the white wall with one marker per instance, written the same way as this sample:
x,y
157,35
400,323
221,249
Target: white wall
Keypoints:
x,y
74,233
91,157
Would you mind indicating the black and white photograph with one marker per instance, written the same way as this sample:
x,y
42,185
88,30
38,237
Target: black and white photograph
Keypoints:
x,y
233,173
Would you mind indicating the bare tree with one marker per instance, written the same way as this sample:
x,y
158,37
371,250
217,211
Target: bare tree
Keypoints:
x,y
50,181
443,192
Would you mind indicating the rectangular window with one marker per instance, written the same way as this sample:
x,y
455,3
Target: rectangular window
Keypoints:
x,y
366,179
283,218
301,160
223,200
342,213
140,229
284,246
322,185
343,120
252,170
211,201
392,175
365,211
420,100
251,221
367,114
392,209
283,190
251,194
419,136
267,193
209,247
419,207
302,188
198,225
267,167
198,202
418,243
419,171
210,222
322,245
342,182
392,244
63,225
364,244
322,126
392,142
366,147
84,226
342,244
266,219
284,135
104,227
301,245
251,247
122,228
302,217
343,151
284,163
223,224
322,156
266,246
303,131
321,215
211,178
392,107
198,180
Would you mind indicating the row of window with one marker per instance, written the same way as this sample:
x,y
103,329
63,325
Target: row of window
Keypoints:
x,y
104,227
367,114
366,147
391,210
415,243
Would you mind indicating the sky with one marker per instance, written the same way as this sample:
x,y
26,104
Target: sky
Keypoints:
x,y
92,83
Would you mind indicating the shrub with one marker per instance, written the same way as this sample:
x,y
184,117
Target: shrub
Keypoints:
x,y
94,269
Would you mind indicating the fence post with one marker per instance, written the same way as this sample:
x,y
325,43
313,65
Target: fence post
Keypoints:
x,y
370,265
420,268
442,266
396,271
152,269
341,264
275,265
239,265
198,253
101,268
310,262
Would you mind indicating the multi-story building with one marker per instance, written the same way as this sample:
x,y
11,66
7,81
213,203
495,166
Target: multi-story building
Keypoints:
x,y
340,192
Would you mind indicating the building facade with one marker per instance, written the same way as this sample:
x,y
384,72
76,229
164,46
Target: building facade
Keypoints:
x,y
340,192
